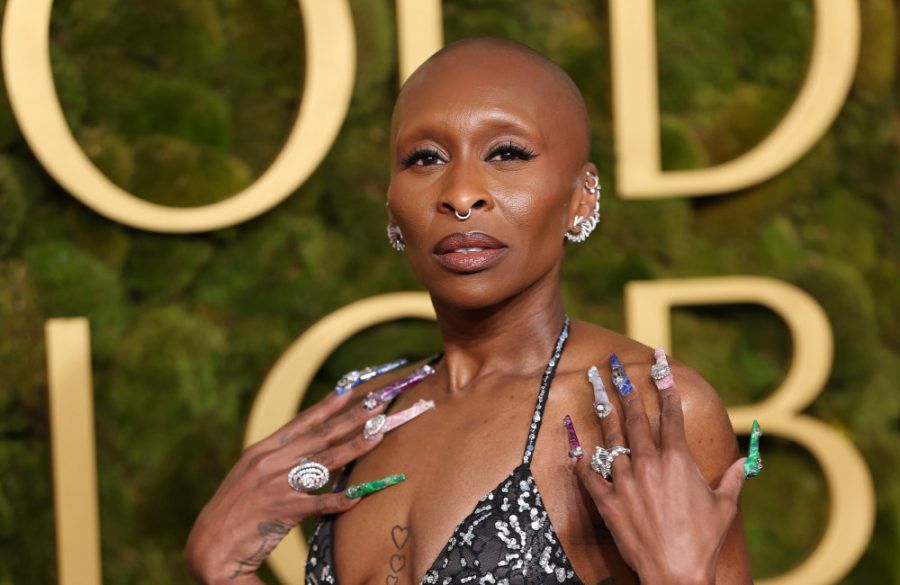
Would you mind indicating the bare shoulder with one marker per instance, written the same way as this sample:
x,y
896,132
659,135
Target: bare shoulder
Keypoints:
x,y
707,426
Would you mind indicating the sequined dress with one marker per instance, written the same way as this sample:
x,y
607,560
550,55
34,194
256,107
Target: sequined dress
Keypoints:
x,y
507,539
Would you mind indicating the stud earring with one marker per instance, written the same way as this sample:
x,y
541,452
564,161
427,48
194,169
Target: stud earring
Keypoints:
x,y
395,237
586,225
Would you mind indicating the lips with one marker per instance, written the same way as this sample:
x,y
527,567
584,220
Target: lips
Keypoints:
x,y
469,252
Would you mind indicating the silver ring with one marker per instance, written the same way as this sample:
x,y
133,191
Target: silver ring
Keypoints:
x,y
308,476
463,217
602,459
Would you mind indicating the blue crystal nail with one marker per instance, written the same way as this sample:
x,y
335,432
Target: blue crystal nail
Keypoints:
x,y
619,377
351,380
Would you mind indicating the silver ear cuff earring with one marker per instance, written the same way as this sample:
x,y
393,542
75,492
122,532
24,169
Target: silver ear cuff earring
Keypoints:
x,y
462,217
395,237
586,225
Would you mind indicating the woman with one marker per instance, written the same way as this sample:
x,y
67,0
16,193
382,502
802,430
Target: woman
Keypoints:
x,y
489,178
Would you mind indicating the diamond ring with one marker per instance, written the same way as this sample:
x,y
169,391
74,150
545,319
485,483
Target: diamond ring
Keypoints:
x,y
308,476
602,459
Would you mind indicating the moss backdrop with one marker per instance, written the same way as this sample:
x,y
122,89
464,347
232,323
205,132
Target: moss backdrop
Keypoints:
x,y
185,102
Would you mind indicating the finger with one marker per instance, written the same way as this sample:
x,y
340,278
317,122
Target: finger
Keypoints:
x,y
593,482
322,505
729,490
637,426
671,413
350,422
328,430
340,455
609,421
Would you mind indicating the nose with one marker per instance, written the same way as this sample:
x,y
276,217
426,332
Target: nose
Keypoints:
x,y
463,192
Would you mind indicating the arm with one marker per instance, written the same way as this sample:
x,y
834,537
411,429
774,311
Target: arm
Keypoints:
x,y
669,525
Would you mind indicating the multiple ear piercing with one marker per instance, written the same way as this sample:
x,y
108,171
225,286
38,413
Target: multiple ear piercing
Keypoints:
x,y
581,226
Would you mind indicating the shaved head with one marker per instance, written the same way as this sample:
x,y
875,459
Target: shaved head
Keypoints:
x,y
519,60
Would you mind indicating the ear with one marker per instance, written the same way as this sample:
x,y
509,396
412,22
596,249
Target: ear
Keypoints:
x,y
581,202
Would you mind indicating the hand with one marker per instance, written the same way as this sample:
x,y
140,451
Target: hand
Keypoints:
x,y
254,507
667,523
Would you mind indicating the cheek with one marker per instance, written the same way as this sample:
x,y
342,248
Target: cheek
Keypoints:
x,y
408,205
538,213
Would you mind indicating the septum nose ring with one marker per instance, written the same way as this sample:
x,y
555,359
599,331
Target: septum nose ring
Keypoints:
x,y
462,217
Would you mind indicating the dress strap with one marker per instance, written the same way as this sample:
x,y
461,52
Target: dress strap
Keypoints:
x,y
546,380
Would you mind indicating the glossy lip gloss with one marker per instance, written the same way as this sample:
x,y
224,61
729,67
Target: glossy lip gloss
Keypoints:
x,y
469,252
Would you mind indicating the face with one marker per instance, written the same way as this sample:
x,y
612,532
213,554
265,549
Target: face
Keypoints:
x,y
493,134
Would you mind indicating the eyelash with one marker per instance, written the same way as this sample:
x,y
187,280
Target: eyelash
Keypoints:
x,y
420,154
517,151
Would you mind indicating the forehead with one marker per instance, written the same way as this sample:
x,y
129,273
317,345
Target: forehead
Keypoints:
x,y
475,83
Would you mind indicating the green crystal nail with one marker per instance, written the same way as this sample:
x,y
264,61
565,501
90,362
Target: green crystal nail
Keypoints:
x,y
364,489
754,462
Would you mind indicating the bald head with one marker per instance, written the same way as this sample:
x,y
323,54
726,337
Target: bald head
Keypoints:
x,y
517,62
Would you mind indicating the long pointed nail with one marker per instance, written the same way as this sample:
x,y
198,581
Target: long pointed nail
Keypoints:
x,y
660,372
351,380
575,450
619,377
370,487
374,399
753,464
602,406
380,423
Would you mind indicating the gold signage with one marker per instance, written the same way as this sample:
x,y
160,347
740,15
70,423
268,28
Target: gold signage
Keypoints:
x,y
639,172
330,69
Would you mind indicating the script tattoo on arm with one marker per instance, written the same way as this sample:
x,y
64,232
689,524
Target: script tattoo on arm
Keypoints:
x,y
399,536
271,533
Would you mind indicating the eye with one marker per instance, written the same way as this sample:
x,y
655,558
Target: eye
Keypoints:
x,y
422,157
510,151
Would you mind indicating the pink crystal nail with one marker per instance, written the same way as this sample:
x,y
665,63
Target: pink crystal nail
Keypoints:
x,y
380,423
575,450
660,372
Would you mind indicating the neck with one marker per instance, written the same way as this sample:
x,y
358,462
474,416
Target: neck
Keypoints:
x,y
515,336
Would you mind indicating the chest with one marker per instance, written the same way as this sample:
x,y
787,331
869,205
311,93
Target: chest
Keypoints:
x,y
452,456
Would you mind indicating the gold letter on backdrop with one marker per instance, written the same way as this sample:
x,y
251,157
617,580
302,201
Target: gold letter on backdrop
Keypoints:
x,y
72,443
636,105
330,70
283,389
852,511
420,32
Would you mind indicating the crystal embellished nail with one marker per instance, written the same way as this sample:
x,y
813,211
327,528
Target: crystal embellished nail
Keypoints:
x,y
575,450
602,406
619,377
389,392
380,423
753,464
364,489
351,380
660,372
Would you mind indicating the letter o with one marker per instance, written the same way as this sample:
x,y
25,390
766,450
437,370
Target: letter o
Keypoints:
x,y
283,389
330,69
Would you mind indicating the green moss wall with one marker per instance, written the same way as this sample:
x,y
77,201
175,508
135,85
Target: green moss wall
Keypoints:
x,y
185,102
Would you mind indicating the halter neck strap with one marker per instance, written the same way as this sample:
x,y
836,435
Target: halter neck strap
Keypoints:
x,y
546,380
